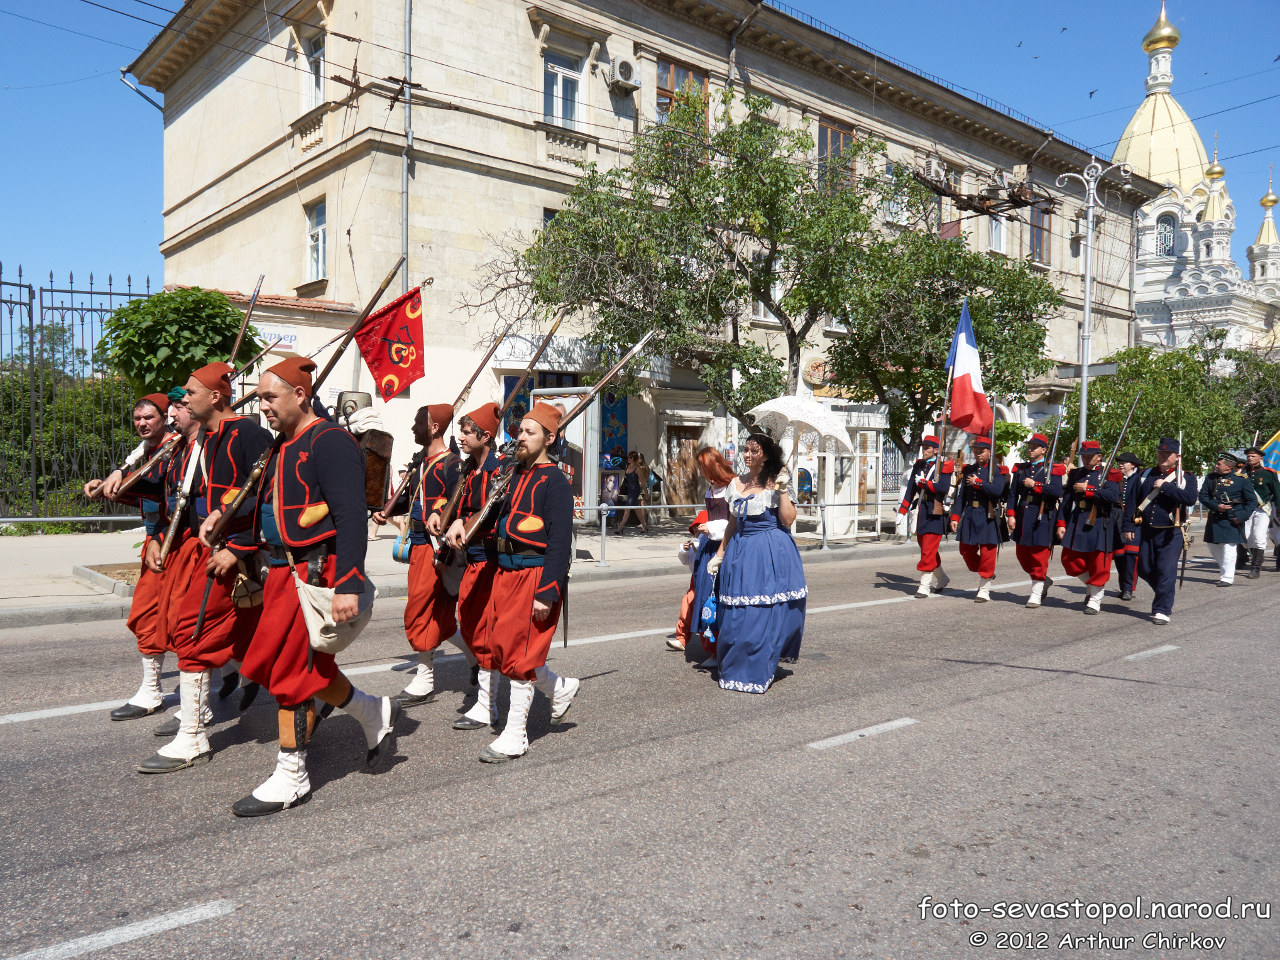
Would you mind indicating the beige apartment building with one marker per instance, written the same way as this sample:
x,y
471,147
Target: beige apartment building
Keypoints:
x,y
301,142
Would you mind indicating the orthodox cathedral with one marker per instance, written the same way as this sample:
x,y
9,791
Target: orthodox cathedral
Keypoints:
x,y
1186,281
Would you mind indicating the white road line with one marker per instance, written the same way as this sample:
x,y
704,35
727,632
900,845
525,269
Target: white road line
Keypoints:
x,y
134,931
864,603
862,734
1152,652
67,711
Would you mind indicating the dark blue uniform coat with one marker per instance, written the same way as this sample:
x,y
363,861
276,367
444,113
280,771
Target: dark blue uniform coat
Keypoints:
x,y
928,487
978,495
1081,535
1032,529
1161,547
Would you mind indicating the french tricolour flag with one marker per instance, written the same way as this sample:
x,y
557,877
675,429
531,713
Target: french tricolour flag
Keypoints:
x,y
969,408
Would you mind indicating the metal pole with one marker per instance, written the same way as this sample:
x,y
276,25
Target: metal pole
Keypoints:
x,y
822,509
408,140
1089,179
604,526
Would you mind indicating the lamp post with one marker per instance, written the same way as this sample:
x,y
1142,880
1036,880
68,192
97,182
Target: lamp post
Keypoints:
x,y
1092,176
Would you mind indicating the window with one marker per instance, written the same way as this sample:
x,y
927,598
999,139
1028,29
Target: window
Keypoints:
x,y
1040,226
316,264
313,79
560,80
674,78
834,140
995,235
1166,228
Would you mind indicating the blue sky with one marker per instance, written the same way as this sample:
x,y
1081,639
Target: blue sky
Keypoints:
x,y
80,169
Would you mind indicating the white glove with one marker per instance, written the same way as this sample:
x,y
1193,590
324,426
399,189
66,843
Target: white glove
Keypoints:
x,y
782,481
364,420
713,565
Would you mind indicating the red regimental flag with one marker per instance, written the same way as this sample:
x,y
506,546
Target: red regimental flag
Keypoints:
x,y
391,343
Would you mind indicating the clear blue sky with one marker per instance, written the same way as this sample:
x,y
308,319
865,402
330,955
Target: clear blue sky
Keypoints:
x,y
80,169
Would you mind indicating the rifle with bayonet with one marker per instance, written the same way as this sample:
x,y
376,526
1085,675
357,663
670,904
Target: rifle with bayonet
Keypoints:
x,y
1106,470
1186,521
1048,466
455,495
216,537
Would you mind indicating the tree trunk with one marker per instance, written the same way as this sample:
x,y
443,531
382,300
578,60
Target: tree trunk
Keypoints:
x,y
793,361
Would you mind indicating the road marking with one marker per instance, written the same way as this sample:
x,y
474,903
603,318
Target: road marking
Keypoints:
x,y
1152,652
862,734
871,603
67,711
134,931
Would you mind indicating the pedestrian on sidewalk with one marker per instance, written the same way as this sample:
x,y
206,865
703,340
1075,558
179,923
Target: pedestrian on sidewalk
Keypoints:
x,y
632,493
761,595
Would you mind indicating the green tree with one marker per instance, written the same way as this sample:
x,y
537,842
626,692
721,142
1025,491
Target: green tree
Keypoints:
x,y
710,217
900,314
1181,393
155,342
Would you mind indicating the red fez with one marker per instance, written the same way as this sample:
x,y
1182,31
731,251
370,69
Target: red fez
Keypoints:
x,y
295,371
485,417
161,401
546,415
1091,446
216,376
929,440
699,520
442,414
1039,438
982,443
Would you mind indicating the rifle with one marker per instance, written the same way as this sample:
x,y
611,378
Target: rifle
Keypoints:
x,y
1185,525
217,533
939,508
164,452
1106,470
456,494
503,479
244,324
991,468
249,366
1048,464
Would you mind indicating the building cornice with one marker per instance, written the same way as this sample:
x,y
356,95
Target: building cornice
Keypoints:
x,y
196,27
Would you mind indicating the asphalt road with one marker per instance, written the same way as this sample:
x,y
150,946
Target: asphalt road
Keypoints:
x,y
669,818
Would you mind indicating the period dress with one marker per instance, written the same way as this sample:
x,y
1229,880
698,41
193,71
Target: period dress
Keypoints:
x,y
761,595
703,582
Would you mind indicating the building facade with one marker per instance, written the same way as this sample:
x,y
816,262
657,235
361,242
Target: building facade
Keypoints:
x,y
316,141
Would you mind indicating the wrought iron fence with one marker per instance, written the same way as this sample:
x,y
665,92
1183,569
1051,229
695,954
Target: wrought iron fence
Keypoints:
x,y
64,417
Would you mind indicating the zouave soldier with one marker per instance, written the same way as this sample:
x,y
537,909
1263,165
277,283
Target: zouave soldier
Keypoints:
x,y
1128,533
1266,486
930,480
1161,521
1229,501
311,515
150,422
476,433
230,447
429,611
1035,490
1085,525
534,529
976,515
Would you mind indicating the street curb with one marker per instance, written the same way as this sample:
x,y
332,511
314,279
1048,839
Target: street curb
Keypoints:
x,y
119,609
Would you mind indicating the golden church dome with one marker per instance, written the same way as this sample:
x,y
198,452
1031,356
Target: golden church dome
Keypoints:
x,y
1163,36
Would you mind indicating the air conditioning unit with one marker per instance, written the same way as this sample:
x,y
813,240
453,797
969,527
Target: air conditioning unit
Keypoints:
x,y
624,75
935,169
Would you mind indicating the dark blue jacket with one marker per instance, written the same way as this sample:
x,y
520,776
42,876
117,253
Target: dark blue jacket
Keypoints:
x,y
980,503
1168,508
1079,533
929,489
1034,526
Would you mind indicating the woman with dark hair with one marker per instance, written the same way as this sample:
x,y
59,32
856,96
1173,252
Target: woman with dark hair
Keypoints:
x,y
719,474
631,493
760,590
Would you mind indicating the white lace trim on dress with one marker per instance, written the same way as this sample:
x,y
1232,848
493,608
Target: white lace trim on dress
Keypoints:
x,y
764,599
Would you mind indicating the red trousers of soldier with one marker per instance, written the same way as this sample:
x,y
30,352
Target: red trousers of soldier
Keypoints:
x,y
518,644
428,613
980,558
227,628
144,612
474,595
1034,560
928,551
1095,563
183,572
280,656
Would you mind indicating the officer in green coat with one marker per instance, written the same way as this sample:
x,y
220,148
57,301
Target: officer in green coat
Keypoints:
x,y
1228,500
1267,487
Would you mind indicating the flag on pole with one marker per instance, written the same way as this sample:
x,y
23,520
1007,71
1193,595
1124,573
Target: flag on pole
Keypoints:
x,y
1271,452
391,343
969,408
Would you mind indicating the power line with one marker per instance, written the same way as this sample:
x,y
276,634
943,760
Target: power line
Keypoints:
x,y
60,83
88,36
1207,86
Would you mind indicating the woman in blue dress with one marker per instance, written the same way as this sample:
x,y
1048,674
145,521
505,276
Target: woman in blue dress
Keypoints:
x,y
760,590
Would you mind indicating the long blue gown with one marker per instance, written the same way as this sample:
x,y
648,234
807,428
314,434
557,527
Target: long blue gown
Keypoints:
x,y
761,596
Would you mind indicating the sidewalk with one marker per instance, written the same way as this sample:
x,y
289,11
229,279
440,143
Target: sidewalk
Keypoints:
x,y
51,579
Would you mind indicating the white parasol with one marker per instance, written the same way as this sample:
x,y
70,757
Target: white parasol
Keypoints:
x,y
805,422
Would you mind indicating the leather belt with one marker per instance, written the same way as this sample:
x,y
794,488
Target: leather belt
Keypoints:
x,y
513,550
417,527
302,556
